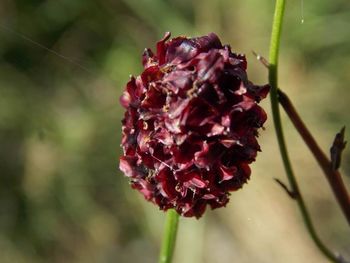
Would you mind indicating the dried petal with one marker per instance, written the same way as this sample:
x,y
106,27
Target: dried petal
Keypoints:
x,y
191,124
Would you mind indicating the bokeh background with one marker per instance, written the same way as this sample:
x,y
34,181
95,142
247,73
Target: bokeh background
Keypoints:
x,y
62,198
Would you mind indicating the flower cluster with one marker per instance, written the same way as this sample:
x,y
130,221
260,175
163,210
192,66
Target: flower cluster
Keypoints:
x,y
191,124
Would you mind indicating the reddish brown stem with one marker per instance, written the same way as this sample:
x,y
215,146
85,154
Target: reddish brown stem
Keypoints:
x,y
333,176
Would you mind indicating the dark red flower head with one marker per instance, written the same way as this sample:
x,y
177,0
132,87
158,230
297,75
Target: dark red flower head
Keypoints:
x,y
191,123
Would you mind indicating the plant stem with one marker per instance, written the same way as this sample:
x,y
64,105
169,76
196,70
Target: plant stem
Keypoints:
x,y
333,176
169,237
273,70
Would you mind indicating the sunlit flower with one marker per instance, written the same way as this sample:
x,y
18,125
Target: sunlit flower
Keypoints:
x,y
191,124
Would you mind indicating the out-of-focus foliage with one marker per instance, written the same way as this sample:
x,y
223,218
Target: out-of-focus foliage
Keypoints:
x,y
62,198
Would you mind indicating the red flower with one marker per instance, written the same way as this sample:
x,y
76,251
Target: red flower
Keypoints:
x,y
190,127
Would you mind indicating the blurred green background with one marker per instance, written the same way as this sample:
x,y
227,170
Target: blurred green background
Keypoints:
x,y
62,198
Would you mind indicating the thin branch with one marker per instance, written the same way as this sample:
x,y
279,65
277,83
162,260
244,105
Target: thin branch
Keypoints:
x,y
291,194
333,176
329,167
261,59
273,70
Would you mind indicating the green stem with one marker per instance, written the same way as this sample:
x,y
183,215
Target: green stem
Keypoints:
x,y
169,237
273,73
